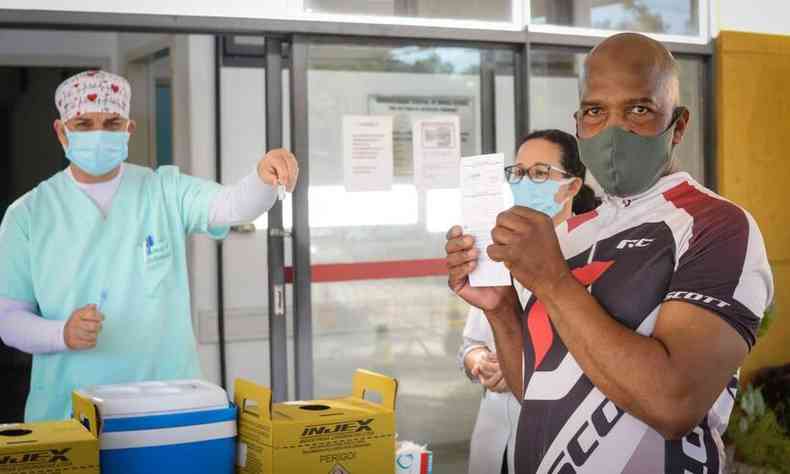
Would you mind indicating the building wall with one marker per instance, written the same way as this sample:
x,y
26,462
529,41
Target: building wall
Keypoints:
x,y
752,160
486,10
751,152
238,8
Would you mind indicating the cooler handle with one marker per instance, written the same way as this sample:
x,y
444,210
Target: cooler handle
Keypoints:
x,y
387,387
245,390
85,412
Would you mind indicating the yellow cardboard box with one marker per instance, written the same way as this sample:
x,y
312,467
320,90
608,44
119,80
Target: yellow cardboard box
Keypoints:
x,y
348,435
58,447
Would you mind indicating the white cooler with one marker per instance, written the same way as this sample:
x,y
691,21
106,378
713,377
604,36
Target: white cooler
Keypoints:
x,y
165,427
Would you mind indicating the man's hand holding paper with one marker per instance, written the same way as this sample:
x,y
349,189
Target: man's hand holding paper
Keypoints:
x,y
524,240
482,198
462,258
473,276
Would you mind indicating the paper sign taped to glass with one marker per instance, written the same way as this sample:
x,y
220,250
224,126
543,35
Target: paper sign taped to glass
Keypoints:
x,y
436,151
405,109
367,153
482,199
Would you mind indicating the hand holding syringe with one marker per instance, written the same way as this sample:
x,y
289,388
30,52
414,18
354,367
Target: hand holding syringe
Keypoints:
x,y
84,325
280,169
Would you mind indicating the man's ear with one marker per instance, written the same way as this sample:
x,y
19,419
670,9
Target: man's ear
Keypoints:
x,y
60,132
681,126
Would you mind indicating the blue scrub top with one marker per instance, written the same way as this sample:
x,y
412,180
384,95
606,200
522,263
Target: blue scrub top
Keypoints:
x,y
58,252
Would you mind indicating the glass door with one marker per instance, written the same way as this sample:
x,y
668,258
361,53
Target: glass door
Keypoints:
x,y
378,287
252,338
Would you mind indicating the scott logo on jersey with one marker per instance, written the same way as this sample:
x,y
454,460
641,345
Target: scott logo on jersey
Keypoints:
x,y
692,296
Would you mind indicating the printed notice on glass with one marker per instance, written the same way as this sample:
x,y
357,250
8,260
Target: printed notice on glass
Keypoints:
x,y
367,152
482,199
405,109
436,151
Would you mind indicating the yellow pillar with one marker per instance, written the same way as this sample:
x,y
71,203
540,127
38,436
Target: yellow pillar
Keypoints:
x,y
753,162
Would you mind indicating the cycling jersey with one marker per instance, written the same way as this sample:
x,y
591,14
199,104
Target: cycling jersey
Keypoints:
x,y
676,242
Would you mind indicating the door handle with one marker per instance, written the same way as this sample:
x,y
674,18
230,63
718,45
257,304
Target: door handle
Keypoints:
x,y
279,233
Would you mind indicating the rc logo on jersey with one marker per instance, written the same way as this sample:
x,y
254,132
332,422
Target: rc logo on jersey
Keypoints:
x,y
629,244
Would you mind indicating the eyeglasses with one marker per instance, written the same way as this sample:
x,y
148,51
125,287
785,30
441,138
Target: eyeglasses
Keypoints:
x,y
537,173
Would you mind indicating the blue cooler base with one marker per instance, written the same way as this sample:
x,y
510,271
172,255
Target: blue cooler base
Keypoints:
x,y
209,457
192,442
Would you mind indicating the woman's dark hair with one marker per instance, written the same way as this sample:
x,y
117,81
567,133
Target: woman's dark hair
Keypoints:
x,y
585,200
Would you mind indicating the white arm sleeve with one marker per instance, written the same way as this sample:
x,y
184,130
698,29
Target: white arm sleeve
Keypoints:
x,y
22,329
242,202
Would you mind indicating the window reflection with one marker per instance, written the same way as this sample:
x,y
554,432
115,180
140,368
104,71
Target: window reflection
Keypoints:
x,y
675,17
333,206
489,10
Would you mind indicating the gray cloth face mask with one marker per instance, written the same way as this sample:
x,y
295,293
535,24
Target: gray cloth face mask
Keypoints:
x,y
626,164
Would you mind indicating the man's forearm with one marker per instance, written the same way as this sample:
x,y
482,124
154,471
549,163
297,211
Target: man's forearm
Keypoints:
x,y
632,370
508,337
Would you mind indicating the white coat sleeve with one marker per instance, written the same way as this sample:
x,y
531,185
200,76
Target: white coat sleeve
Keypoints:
x,y
242,202
21,329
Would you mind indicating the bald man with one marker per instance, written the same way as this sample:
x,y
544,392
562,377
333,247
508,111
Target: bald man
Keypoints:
x,y
627,353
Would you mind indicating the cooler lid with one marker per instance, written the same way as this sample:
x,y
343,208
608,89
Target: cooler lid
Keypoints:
x,y
150,398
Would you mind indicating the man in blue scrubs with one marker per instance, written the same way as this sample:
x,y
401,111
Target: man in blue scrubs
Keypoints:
x,y
93,264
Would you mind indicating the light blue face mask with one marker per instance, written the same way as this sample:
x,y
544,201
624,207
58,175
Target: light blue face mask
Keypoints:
x,y
97,153
538,196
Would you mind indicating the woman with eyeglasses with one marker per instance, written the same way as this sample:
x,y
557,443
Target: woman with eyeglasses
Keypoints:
x,y
548,176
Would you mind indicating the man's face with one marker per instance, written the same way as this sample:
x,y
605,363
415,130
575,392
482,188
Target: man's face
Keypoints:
x,y
616,94
92,122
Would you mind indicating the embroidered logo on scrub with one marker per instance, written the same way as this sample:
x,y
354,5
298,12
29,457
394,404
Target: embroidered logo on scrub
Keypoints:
x,y
155,249
538,324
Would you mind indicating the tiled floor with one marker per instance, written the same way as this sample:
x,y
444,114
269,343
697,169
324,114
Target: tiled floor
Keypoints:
x,y
450,458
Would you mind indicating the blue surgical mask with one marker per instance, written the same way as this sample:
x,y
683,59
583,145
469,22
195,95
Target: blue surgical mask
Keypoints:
x,y
538,196
97,153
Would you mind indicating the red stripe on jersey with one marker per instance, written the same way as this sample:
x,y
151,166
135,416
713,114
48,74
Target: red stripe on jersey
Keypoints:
x,y
540,331
538,324
588,274
712,214
580,219
690,199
